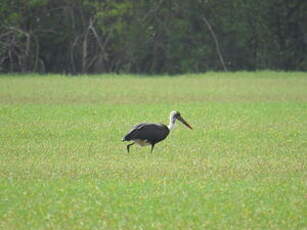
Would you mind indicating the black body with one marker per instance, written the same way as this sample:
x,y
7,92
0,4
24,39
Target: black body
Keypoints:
x,y
151,133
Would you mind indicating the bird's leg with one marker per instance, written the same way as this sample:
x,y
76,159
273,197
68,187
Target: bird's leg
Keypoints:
x,y
128,146
152,147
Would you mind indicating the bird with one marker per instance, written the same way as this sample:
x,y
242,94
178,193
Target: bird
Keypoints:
x,y
145,134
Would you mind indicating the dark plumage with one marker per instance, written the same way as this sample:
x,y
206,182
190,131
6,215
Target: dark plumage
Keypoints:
x,y
151,133
147,133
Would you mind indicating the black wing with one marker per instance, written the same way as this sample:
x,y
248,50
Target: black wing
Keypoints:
x,y
151,132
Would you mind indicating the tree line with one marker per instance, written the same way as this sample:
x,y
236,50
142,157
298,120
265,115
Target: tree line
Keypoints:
x,y
152,36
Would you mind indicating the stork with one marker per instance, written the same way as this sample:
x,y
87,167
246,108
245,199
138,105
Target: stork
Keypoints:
x,y
151,133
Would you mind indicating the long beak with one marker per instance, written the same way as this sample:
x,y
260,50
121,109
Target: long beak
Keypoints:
x,y
184,122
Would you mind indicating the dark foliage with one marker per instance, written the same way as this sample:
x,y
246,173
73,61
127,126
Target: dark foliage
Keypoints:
x,y
152,36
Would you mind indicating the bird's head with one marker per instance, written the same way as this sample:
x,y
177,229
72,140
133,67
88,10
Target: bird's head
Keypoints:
x,y
175,115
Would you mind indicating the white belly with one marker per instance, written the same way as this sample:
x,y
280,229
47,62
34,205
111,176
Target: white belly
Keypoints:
x,y
141,142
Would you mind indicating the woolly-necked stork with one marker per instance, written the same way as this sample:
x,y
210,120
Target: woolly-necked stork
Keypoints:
x,y
151,133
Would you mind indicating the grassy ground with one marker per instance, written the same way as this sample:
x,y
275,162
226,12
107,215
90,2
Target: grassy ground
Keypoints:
x,y
63,166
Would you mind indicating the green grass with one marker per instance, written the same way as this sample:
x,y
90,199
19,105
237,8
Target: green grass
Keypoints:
x,y
63,166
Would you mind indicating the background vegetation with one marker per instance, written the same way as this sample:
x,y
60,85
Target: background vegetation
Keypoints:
x,y
243,166
152,36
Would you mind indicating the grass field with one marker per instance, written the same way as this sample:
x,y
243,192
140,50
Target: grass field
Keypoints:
x,y
63,166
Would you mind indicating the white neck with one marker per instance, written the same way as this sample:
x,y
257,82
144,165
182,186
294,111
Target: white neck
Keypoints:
x,y
171,124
